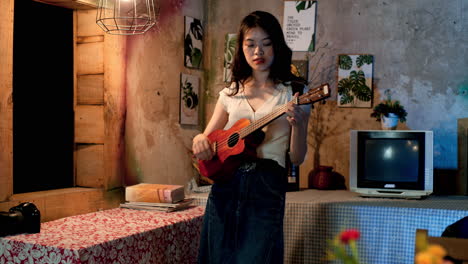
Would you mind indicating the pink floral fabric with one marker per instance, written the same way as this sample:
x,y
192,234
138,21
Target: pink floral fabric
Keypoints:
x,y
110,236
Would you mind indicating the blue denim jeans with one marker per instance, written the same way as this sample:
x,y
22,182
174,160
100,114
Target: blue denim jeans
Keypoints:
x,y
243,221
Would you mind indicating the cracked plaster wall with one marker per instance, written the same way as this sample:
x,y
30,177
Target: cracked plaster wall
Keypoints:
x,y
420,50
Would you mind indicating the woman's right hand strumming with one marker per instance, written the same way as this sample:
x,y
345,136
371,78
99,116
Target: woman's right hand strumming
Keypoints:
x,y
202,147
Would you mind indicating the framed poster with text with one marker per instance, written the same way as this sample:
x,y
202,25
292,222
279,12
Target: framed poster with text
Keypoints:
x,y
299,24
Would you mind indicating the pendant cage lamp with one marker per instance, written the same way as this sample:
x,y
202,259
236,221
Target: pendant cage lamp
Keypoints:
x,y
127,17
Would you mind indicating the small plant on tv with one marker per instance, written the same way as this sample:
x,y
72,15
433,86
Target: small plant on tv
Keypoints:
x,y
389,106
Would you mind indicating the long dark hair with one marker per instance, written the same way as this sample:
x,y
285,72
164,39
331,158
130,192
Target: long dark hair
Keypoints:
x,y
280,70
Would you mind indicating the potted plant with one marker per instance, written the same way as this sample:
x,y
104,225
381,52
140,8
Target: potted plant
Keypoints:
x,y
389,112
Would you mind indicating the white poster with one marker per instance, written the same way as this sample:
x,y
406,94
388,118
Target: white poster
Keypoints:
x,y
299,24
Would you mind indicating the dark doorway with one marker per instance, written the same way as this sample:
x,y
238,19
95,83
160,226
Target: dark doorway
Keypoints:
x,y
43,119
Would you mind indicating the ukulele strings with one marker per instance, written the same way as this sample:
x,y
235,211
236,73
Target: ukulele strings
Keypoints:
x,y
259,123
254,126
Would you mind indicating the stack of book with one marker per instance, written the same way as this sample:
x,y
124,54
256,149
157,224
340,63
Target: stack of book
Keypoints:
x,y
155,197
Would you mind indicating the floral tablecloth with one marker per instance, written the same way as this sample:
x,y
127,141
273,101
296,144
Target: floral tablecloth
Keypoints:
x,y
110,236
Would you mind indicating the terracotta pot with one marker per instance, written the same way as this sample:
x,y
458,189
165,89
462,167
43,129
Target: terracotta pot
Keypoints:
x,y
321,178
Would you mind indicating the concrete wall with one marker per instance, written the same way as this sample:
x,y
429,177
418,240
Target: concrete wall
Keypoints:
x,y
420,49
157,147
419,46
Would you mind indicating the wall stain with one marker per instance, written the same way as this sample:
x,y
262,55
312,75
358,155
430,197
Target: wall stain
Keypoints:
x,y
149,139
168,9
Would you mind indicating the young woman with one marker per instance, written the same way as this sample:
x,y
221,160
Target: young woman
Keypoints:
x,y
243,222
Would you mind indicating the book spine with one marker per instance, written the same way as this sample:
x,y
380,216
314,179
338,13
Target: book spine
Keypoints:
x,y
167,196
155,193
161,195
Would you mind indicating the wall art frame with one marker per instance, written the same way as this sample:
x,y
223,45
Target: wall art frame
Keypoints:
x,y
299,20
193,42
189,99
230,42
354,80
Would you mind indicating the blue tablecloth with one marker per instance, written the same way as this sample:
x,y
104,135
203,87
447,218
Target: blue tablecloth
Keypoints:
x,y
387,226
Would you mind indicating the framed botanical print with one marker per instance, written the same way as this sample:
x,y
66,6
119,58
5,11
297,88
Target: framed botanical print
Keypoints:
x,y
229,50
193,43
355,74
189,99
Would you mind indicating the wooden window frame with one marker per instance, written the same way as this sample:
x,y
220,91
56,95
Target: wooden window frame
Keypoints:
x,y
101,182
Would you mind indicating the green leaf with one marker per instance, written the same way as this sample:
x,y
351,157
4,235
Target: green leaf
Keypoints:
x,y
196,57
344,86
354,87
346,99
196,29
389,106
300,5
230,48
360,88
345,62
363,59
312,44
188,49
303,5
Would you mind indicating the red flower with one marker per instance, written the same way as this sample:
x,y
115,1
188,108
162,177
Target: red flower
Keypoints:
x,y
350,234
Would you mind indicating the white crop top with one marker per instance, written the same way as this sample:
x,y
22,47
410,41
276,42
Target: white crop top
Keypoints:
x,y
277,133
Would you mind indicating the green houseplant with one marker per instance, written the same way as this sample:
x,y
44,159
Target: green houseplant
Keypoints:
x,y
388,109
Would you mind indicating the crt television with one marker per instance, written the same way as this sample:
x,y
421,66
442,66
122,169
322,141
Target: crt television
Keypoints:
x,y
391,163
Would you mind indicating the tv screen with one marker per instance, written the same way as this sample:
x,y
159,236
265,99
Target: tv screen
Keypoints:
x,y
391,162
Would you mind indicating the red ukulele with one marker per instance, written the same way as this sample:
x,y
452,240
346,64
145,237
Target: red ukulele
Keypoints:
x,y
239,143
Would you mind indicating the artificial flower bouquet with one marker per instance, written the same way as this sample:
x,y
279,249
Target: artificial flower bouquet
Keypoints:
x,y
433,254
344,248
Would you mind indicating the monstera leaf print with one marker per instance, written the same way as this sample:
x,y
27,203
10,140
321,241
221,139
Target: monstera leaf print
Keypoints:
x,y
192,54
354,88
193,42
196,29
363,59
303,5
312,44
188,46
229,50
196,57
190,98
345,62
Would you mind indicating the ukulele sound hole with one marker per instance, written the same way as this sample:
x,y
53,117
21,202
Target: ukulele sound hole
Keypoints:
x,y
233,140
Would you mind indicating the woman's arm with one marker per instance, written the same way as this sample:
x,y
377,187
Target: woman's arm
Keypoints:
x,y
201,145
298,119
218,119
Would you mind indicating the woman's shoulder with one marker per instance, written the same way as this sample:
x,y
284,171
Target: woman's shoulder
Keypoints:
x,y
229,90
